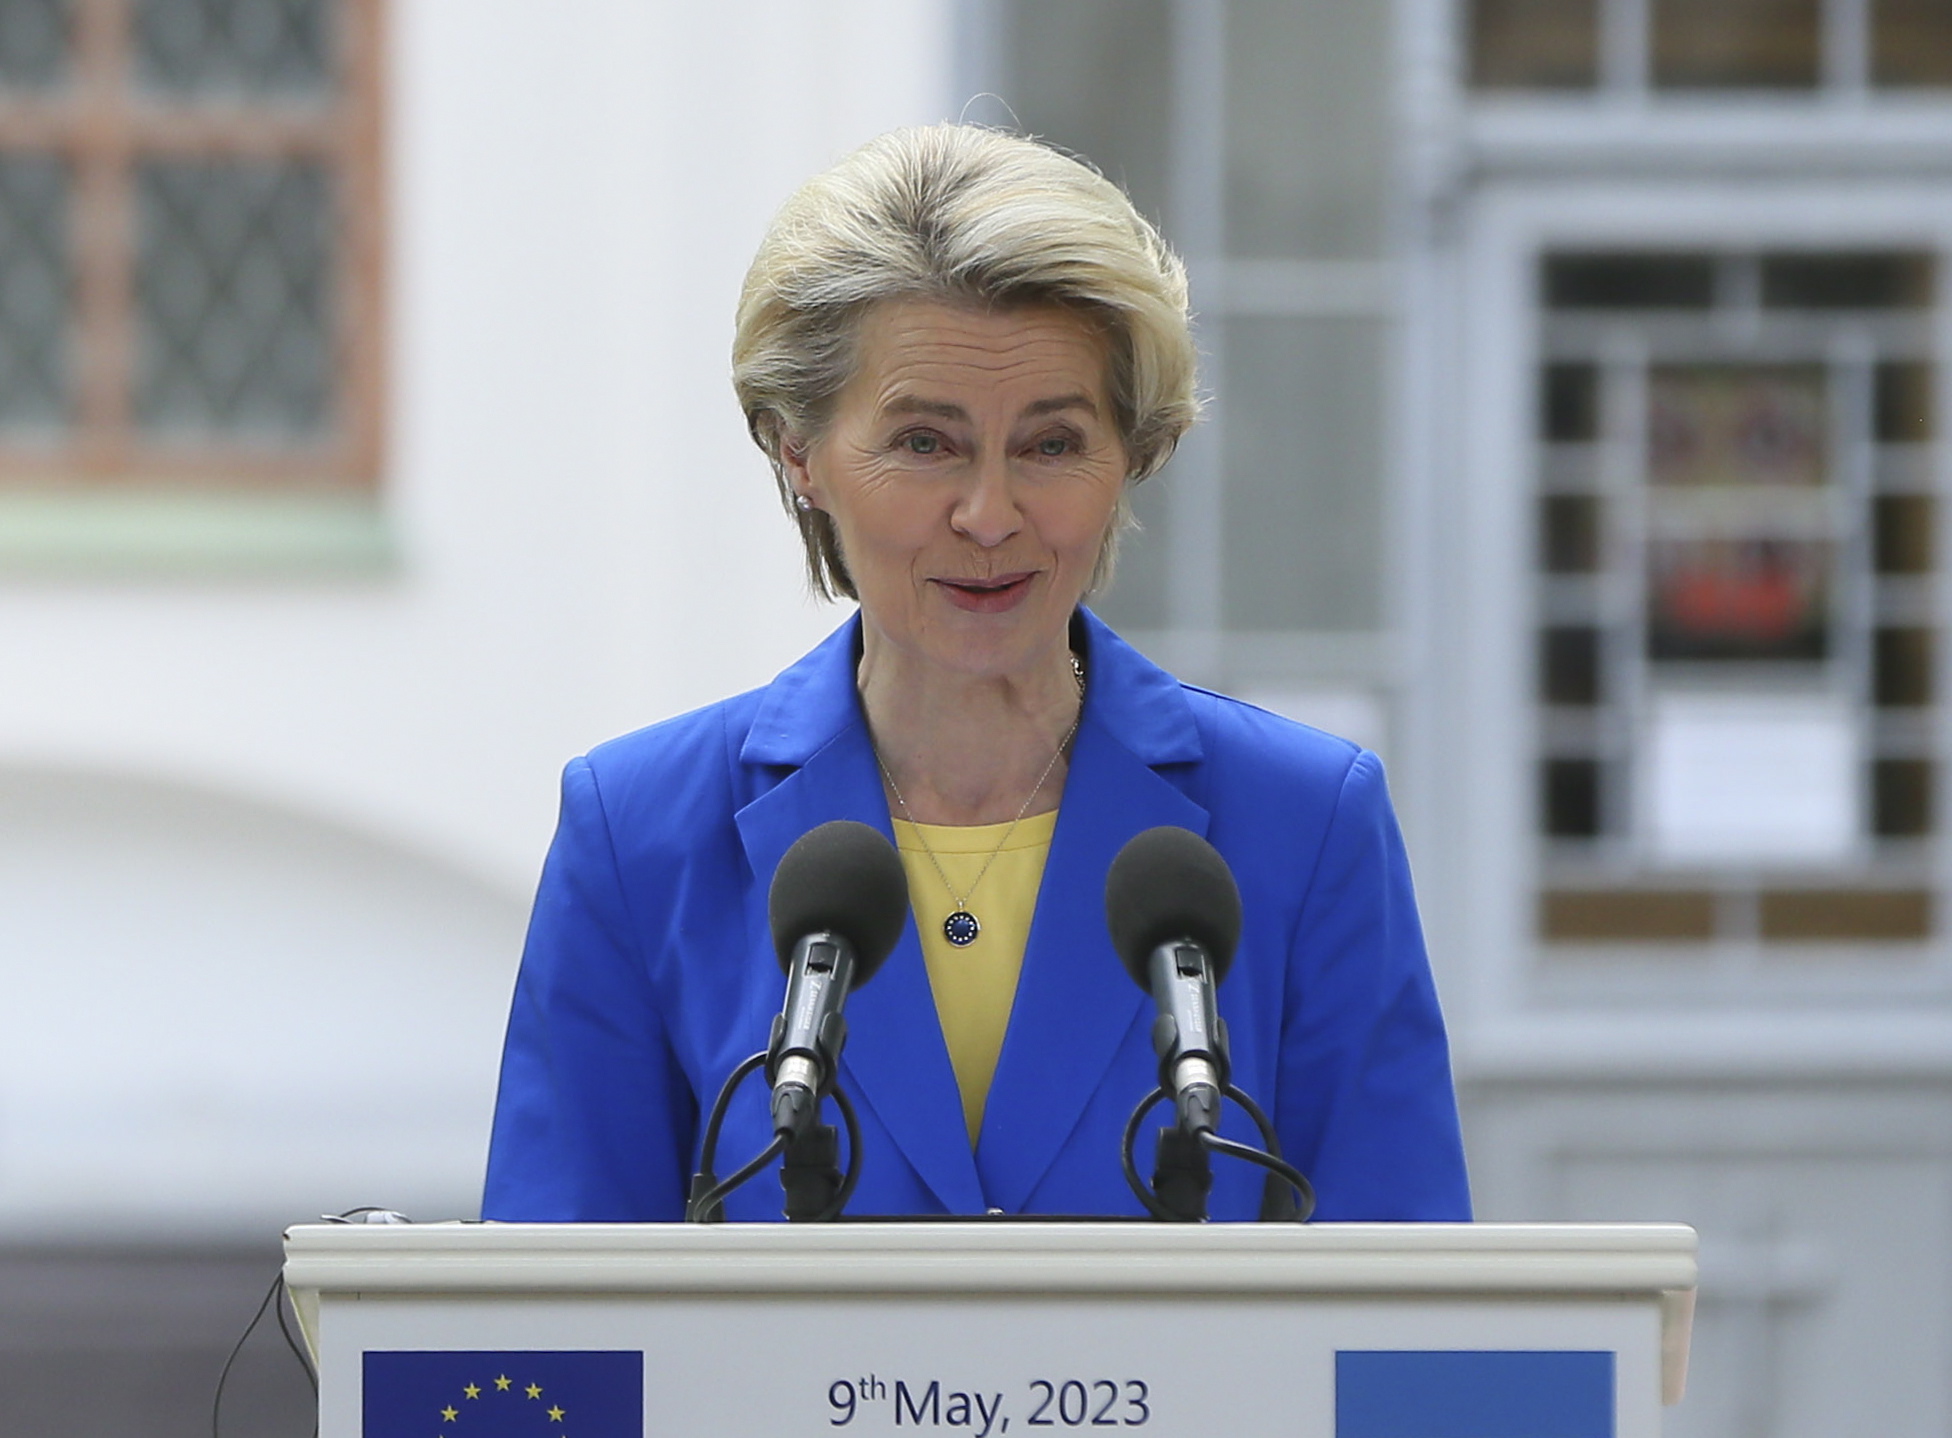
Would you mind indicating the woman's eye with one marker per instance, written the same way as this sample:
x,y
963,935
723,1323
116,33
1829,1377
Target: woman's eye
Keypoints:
x,y
922,443
1054,446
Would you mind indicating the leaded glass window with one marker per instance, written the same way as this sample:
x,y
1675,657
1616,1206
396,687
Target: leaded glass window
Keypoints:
x,y
36,296
187,241
237,47
233,298
33,43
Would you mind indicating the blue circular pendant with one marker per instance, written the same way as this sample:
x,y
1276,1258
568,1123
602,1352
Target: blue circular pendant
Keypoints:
x,y
961,928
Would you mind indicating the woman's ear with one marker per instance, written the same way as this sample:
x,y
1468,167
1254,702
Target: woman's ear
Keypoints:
x,y
799,476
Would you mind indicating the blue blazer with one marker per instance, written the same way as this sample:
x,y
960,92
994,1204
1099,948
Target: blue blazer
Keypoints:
x,y
649,971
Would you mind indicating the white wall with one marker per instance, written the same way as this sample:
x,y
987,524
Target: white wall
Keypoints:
x,y
324,801
226,1017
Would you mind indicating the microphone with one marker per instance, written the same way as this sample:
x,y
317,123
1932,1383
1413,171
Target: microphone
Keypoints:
x,y
837,905
1174,913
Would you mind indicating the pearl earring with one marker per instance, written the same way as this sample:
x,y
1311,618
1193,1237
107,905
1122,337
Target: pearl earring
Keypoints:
x,y
803,504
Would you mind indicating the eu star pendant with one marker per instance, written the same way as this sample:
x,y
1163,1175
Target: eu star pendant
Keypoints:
x,y
961,927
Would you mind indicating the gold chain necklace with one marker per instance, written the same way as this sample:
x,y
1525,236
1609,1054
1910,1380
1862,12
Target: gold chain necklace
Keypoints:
x,y
961,926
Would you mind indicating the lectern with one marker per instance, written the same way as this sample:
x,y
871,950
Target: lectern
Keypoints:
x,y
994,1327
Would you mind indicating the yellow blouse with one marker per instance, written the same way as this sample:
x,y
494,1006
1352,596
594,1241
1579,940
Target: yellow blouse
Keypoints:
x,y
975,986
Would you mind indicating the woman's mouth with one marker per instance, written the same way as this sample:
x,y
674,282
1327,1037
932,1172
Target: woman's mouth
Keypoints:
x,y
987,596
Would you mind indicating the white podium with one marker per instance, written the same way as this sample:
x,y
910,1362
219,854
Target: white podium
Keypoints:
x,y
987,1328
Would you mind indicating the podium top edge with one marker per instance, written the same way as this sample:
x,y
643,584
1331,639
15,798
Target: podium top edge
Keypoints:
x,y
1645,1259
991,1236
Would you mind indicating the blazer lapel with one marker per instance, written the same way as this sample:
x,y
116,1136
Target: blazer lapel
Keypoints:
x,y
895,1065
1075,1003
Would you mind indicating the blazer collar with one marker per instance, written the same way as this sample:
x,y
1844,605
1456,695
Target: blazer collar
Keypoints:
x,y
809,703
1134,700
1074,1003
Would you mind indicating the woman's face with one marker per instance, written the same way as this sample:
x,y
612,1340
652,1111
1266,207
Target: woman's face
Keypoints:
x,y
972,469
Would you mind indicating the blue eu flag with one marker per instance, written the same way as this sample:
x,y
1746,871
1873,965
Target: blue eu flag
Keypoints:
x,y
1473,1394
504,1395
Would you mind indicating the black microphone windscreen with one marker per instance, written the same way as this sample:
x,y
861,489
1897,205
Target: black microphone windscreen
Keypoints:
x,y
844,877
1169,884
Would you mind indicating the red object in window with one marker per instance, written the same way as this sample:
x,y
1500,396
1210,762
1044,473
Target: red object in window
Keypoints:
x,y
1738,599
1763,605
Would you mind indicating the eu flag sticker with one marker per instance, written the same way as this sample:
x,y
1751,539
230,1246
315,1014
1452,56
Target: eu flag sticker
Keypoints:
x,y
1473,1394
504,1395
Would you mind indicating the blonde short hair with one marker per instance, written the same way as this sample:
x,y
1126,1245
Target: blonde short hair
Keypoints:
x,y
966,215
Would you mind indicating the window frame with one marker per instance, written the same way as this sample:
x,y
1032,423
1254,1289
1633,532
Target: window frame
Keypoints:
x,y
1502,866
100,123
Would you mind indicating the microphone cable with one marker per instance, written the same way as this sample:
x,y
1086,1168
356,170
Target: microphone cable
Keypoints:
x,y
1174,913
709,1192
836,907
275,1298
273,1295
1283,1177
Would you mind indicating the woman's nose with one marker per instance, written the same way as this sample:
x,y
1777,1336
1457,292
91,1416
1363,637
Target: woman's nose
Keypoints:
x,y
987,512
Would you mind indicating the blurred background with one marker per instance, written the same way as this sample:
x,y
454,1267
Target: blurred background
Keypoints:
x,y
366,451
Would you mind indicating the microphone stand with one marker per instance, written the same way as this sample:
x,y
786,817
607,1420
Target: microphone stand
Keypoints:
x,y
816,1190
1182,1174
810,1173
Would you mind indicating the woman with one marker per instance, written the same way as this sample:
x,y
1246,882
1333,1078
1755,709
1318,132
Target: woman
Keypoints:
x,y
959,349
